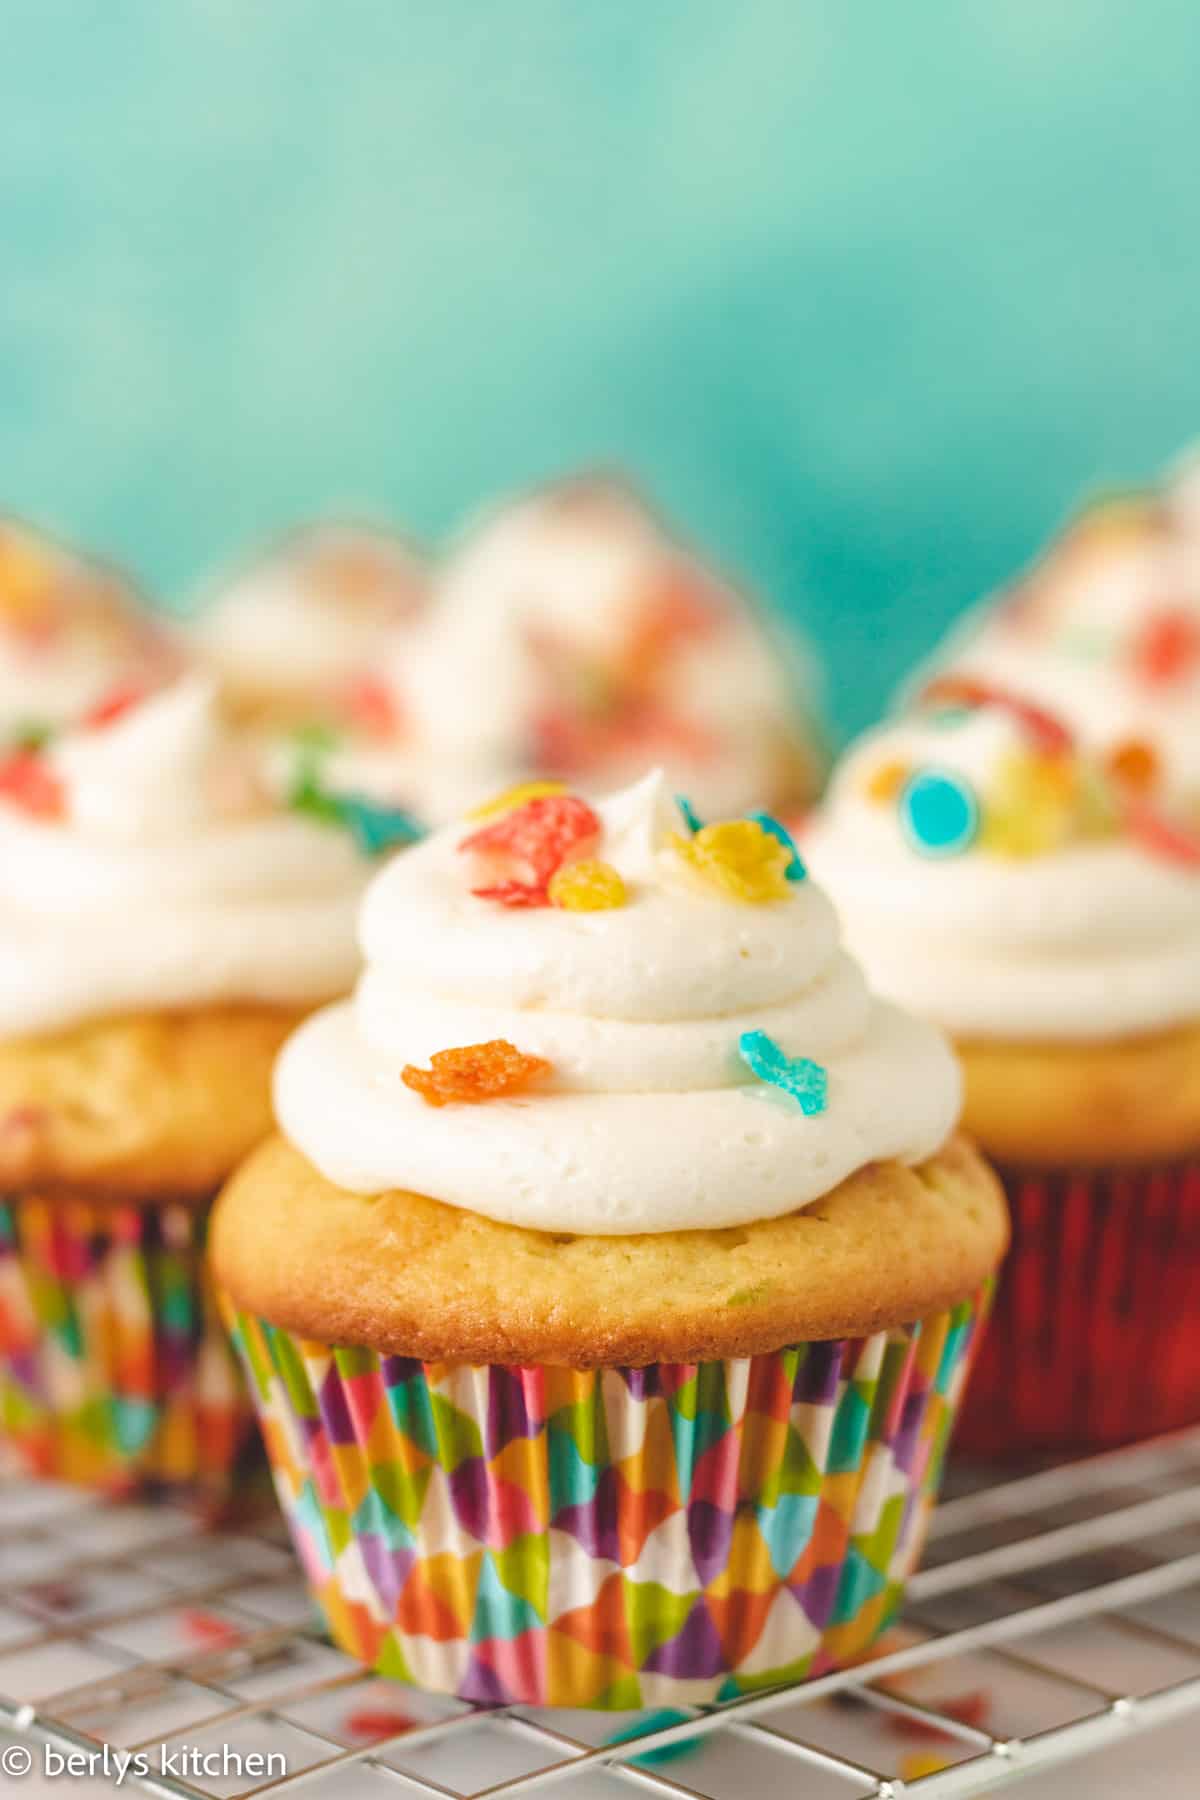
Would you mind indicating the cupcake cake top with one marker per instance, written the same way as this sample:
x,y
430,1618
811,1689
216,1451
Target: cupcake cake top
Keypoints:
x,y
142,868
1105,630
609,1019
571,635
70,633
995,876
306,624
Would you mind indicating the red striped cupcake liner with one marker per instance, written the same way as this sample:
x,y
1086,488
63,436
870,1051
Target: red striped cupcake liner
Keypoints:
x,y
1095,1333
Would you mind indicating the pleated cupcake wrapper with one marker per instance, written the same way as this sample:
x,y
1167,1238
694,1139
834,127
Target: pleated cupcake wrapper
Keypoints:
x,y
616,1538
115,1370
1095,1337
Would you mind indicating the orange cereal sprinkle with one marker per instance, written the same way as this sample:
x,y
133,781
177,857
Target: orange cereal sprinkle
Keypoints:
x,y
1134,764
474,1073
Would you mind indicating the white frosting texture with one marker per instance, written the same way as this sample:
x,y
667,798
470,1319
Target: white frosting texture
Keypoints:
x,y
648,1120
166,881
571,634
1104,630
1097,937
70,632
314,613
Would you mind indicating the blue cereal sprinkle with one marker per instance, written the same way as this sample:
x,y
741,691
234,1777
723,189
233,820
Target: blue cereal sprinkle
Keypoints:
x,y
688,813
939,812
795,870
656,1721
804,1080
376,828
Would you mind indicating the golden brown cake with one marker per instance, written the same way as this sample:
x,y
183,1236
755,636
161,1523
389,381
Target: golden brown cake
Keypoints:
x,y
1122,1102
413,1277
140,1105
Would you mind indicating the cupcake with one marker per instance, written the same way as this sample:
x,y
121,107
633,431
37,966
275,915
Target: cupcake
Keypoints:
x,y
1103,631
994,877
72,636
296,637
161,931
571,636
608,1293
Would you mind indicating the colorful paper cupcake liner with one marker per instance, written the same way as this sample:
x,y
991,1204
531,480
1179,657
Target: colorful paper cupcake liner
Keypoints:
x,y
1095,1335
114,1367
612,1538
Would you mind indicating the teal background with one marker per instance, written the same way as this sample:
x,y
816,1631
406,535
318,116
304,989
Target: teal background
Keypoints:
x,y
866,293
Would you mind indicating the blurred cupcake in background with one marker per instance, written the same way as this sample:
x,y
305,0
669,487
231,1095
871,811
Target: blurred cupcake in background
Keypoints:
x,y
296,636
162,928
1104,630
574,636
72,635
997,878
570,636
609,1296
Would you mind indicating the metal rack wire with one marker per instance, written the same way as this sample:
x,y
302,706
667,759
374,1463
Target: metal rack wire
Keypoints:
x,y
1055,1615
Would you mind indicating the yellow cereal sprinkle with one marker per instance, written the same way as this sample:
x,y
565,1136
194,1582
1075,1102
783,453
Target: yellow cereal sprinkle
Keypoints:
x,y
25,581
1034,805
921,1762
885,781
587,886
513,797
739,857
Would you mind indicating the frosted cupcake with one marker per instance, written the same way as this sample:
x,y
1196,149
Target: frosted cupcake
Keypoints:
x,y
995,878
161,931
72,636
608,1295
572,636
296,637
1104,631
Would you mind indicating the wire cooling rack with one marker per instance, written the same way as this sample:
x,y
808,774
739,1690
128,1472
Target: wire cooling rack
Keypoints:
x,y
1056,1616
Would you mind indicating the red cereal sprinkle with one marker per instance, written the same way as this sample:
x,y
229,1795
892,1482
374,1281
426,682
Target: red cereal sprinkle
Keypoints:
x,y
473,1073
208,1628
26,781
373,706
1163,837
1047,731
1167,647
113,705
969,1709
529,844
377,1722
680,607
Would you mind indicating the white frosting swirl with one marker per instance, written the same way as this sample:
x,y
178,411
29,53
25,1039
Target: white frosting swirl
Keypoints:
x,y
649,1120
1070,634
1089,941
70,632
314,613
166,883
538,656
